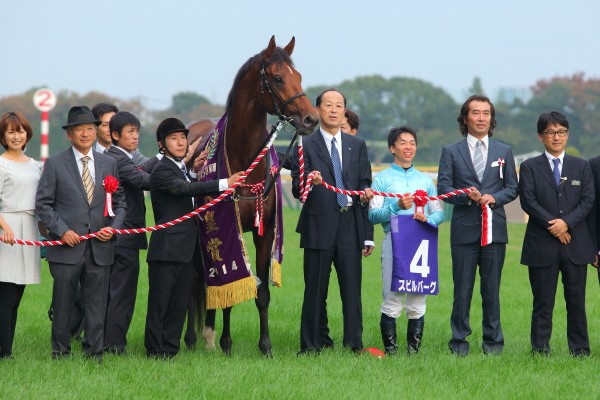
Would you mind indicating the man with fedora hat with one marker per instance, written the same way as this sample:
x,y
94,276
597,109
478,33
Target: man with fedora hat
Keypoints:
x,y
173,251
70,202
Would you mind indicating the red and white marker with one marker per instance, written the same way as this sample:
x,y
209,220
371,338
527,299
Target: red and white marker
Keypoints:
x,y
44,100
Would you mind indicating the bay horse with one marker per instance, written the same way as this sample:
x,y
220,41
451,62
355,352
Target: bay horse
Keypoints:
x,y
267,83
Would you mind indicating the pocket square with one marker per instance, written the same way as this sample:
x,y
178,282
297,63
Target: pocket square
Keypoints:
x,y
575,183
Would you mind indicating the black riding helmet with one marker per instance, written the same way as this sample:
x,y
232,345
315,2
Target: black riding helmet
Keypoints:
x,y
166,127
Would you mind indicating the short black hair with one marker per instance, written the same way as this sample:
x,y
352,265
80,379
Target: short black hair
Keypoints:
x,y
320,96
102,108
553,117
352,119
119,121
396,132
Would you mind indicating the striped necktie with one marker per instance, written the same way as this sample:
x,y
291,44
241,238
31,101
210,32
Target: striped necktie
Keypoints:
x,y
86,178
342,200
478,160
556,171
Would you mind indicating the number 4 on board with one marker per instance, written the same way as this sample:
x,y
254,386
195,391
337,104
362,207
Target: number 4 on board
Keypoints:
x,y
422,254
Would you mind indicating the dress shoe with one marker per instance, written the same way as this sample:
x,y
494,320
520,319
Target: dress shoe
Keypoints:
x,y
492,349
459,350
543,352
160,355
583,352
58,355
308,351
117,351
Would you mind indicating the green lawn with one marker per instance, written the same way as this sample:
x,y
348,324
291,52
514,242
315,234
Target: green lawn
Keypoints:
x,y
433,373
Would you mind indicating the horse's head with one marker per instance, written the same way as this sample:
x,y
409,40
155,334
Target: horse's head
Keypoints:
x,y
281,88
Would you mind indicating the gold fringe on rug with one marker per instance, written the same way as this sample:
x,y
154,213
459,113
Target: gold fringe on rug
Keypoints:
x,y
275,273
219,297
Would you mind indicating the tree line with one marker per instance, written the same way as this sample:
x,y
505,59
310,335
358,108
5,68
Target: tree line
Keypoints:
x,y
381,104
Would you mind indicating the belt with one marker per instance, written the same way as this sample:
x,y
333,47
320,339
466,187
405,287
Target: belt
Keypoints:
x,y
345,209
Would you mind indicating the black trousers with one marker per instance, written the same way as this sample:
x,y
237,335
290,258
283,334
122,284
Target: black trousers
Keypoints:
x,y
544,282
10,298
168,298
122,292
94,280
465,259
346,258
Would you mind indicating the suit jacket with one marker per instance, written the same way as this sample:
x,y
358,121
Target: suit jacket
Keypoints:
x,y
594,217
134,181
318,220
171,196
456,171
61,205
571,201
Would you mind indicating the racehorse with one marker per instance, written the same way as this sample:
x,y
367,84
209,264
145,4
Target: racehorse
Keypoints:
x,y
267,83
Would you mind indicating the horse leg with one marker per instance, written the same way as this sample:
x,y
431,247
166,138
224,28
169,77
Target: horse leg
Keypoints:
x,y
263,296
208,332
225,341
190,338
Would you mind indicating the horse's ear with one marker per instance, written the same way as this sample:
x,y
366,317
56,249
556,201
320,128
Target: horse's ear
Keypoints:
x,y
270,48
290,46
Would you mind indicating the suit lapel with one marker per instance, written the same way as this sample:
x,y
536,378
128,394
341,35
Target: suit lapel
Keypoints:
x,y
493,155
98,187
463,149
544,166
71,166
566,173
346,158
321,150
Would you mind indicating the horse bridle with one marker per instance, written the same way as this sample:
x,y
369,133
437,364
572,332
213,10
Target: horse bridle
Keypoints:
x,y
265,83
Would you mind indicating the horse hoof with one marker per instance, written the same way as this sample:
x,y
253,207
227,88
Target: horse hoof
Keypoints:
x,y
226,345
268,354
209,338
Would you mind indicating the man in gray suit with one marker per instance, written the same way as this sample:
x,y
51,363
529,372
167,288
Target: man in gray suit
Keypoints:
x,y
70,202
488,168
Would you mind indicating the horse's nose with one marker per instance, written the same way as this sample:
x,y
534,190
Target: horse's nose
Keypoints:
x,y
309,122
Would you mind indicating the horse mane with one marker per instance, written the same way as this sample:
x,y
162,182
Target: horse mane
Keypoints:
x,y
278,57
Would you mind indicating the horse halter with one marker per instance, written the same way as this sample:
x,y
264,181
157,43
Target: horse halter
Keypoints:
x,y
266,83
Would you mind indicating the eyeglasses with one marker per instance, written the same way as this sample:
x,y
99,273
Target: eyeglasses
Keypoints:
x,y
560,133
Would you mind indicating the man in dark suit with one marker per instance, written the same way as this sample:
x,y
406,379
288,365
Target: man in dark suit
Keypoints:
x,y
594,217
70,202
488,168
332,226
557,192
125,131
174,250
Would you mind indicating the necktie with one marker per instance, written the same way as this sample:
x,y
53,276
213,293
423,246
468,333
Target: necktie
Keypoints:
x,y
478,160
342,200
86,178
556,171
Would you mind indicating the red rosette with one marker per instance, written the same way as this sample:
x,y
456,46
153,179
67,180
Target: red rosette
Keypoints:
x,y
111,184
420,200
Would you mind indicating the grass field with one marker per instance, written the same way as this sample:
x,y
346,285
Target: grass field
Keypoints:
x,y
433,373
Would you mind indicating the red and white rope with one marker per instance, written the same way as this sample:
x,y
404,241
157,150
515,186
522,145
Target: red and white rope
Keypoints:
x,y
176,221
327,186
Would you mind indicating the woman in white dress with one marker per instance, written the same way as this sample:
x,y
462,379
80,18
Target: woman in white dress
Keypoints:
x,y
19,265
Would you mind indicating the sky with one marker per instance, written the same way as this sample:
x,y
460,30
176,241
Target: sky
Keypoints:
x,y
153,49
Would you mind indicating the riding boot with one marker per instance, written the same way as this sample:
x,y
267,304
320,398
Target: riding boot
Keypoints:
x,y
388,334
414,335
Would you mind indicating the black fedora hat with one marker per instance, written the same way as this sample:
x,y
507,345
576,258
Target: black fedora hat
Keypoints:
x,y
168,126
80,115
